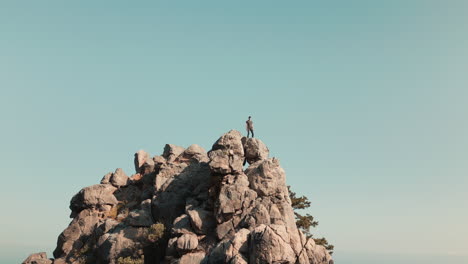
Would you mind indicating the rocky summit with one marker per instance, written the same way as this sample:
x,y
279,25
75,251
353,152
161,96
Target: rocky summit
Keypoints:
x,y
188,206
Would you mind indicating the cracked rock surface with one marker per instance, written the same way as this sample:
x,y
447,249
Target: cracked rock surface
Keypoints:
x,y
213,211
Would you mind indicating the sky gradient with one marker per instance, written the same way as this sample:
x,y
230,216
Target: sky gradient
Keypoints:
x,y
363,102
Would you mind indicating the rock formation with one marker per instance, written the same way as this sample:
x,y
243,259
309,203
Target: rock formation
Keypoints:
x,y
213,211
37,258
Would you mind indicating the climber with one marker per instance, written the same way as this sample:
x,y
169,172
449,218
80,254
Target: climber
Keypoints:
x,y
249,127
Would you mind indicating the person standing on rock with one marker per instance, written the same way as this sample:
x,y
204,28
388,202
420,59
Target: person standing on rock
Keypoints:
x,y
249,127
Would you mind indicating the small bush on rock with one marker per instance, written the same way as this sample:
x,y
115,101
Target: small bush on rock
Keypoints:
x,y
155,232
130,260
305,222
119,209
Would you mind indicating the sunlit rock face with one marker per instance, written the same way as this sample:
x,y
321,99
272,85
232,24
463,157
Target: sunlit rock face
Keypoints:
x,y
213,209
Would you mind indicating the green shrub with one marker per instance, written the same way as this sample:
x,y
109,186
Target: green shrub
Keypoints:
x,y
155,232
305,222
130,260
323,242
118,209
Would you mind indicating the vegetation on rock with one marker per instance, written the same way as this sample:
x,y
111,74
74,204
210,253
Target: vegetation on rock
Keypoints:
x,y
119,209
155,232
305,222
130,260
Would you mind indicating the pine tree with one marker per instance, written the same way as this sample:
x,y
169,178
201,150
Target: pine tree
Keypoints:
x,y
305,222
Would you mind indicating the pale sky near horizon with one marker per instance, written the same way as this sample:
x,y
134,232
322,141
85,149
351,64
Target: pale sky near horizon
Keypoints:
x,y
363,102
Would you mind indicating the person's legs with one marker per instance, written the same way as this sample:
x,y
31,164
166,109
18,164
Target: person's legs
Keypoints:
x,y
252,132
248,131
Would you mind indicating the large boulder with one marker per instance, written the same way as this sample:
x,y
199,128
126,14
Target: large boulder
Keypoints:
x,y
94,196
75,235
106,178
141,216
171,198
108,225
187,242
166,174
231,250
37,258
255,150
182,225
119,178
143,162
240,242
201,220
121,241
270,244
192,258
159,160
267,177
171,152
234,195
313,253
141,157
193,152
227,154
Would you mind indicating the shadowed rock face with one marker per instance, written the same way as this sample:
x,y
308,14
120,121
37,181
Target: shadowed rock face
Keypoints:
x,y
213,211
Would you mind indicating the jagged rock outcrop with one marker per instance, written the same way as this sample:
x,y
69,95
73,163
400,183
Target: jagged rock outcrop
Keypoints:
x,y
99,197
255,150
37,258
213,210
143,162
227,154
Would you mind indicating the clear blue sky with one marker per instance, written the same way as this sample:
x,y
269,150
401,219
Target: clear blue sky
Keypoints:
x,y
364,103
